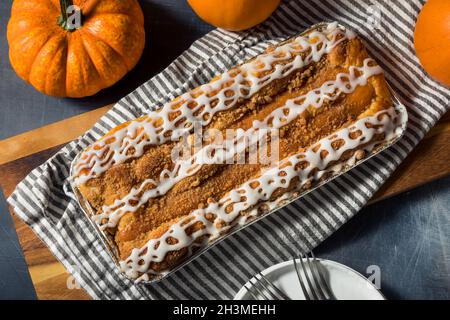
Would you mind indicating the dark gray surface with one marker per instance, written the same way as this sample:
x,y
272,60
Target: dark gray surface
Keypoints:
x,y
15,281
408,237
171,27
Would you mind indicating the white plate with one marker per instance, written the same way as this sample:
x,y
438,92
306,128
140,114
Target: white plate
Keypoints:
x,y
346,283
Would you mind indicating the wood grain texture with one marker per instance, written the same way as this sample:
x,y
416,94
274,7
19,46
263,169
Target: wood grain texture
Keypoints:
x,y
429,161
51,135
48,275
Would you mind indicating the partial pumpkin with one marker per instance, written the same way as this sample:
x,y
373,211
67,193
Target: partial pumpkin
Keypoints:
x,y
432,39
234,15
65,62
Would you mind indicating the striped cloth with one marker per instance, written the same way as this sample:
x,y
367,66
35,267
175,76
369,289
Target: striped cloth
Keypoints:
x,y
45,202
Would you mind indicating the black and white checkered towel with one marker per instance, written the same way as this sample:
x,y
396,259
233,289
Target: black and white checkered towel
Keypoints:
x,y
44,201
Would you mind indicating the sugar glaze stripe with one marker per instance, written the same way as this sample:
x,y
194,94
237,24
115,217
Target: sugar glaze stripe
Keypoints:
x,y
345,83
175,119
227,211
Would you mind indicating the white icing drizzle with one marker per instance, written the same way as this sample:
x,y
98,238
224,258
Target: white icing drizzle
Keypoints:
x,y
344,83
175,119
307,166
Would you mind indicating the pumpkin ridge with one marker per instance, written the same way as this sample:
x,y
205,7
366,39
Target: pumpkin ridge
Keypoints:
x,y
36,61
20,37
64,68
87,37
108,24
84,75
51,59
100,76
122,58
15,32
66,86
48,37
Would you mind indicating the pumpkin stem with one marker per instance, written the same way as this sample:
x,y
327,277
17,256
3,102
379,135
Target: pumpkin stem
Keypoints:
x,y
70,18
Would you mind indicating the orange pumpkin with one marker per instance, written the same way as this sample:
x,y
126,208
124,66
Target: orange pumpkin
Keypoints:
x,y
432,39
234,15
60,58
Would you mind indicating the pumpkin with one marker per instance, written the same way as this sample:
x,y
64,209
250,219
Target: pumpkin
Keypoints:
x,y
59,57
234,15
432,39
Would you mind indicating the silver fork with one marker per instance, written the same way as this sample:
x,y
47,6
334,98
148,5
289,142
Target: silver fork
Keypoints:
x,y
265,289
314,287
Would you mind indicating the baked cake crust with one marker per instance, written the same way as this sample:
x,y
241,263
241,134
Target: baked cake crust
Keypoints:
x,y
157,219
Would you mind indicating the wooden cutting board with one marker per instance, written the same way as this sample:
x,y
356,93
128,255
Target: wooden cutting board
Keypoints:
x,y
24,152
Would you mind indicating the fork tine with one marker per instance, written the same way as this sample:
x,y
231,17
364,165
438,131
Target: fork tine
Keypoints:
x,y
308,280
257,290
262,291
267,289
315,279
305,292
280,295
322,278
250,291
